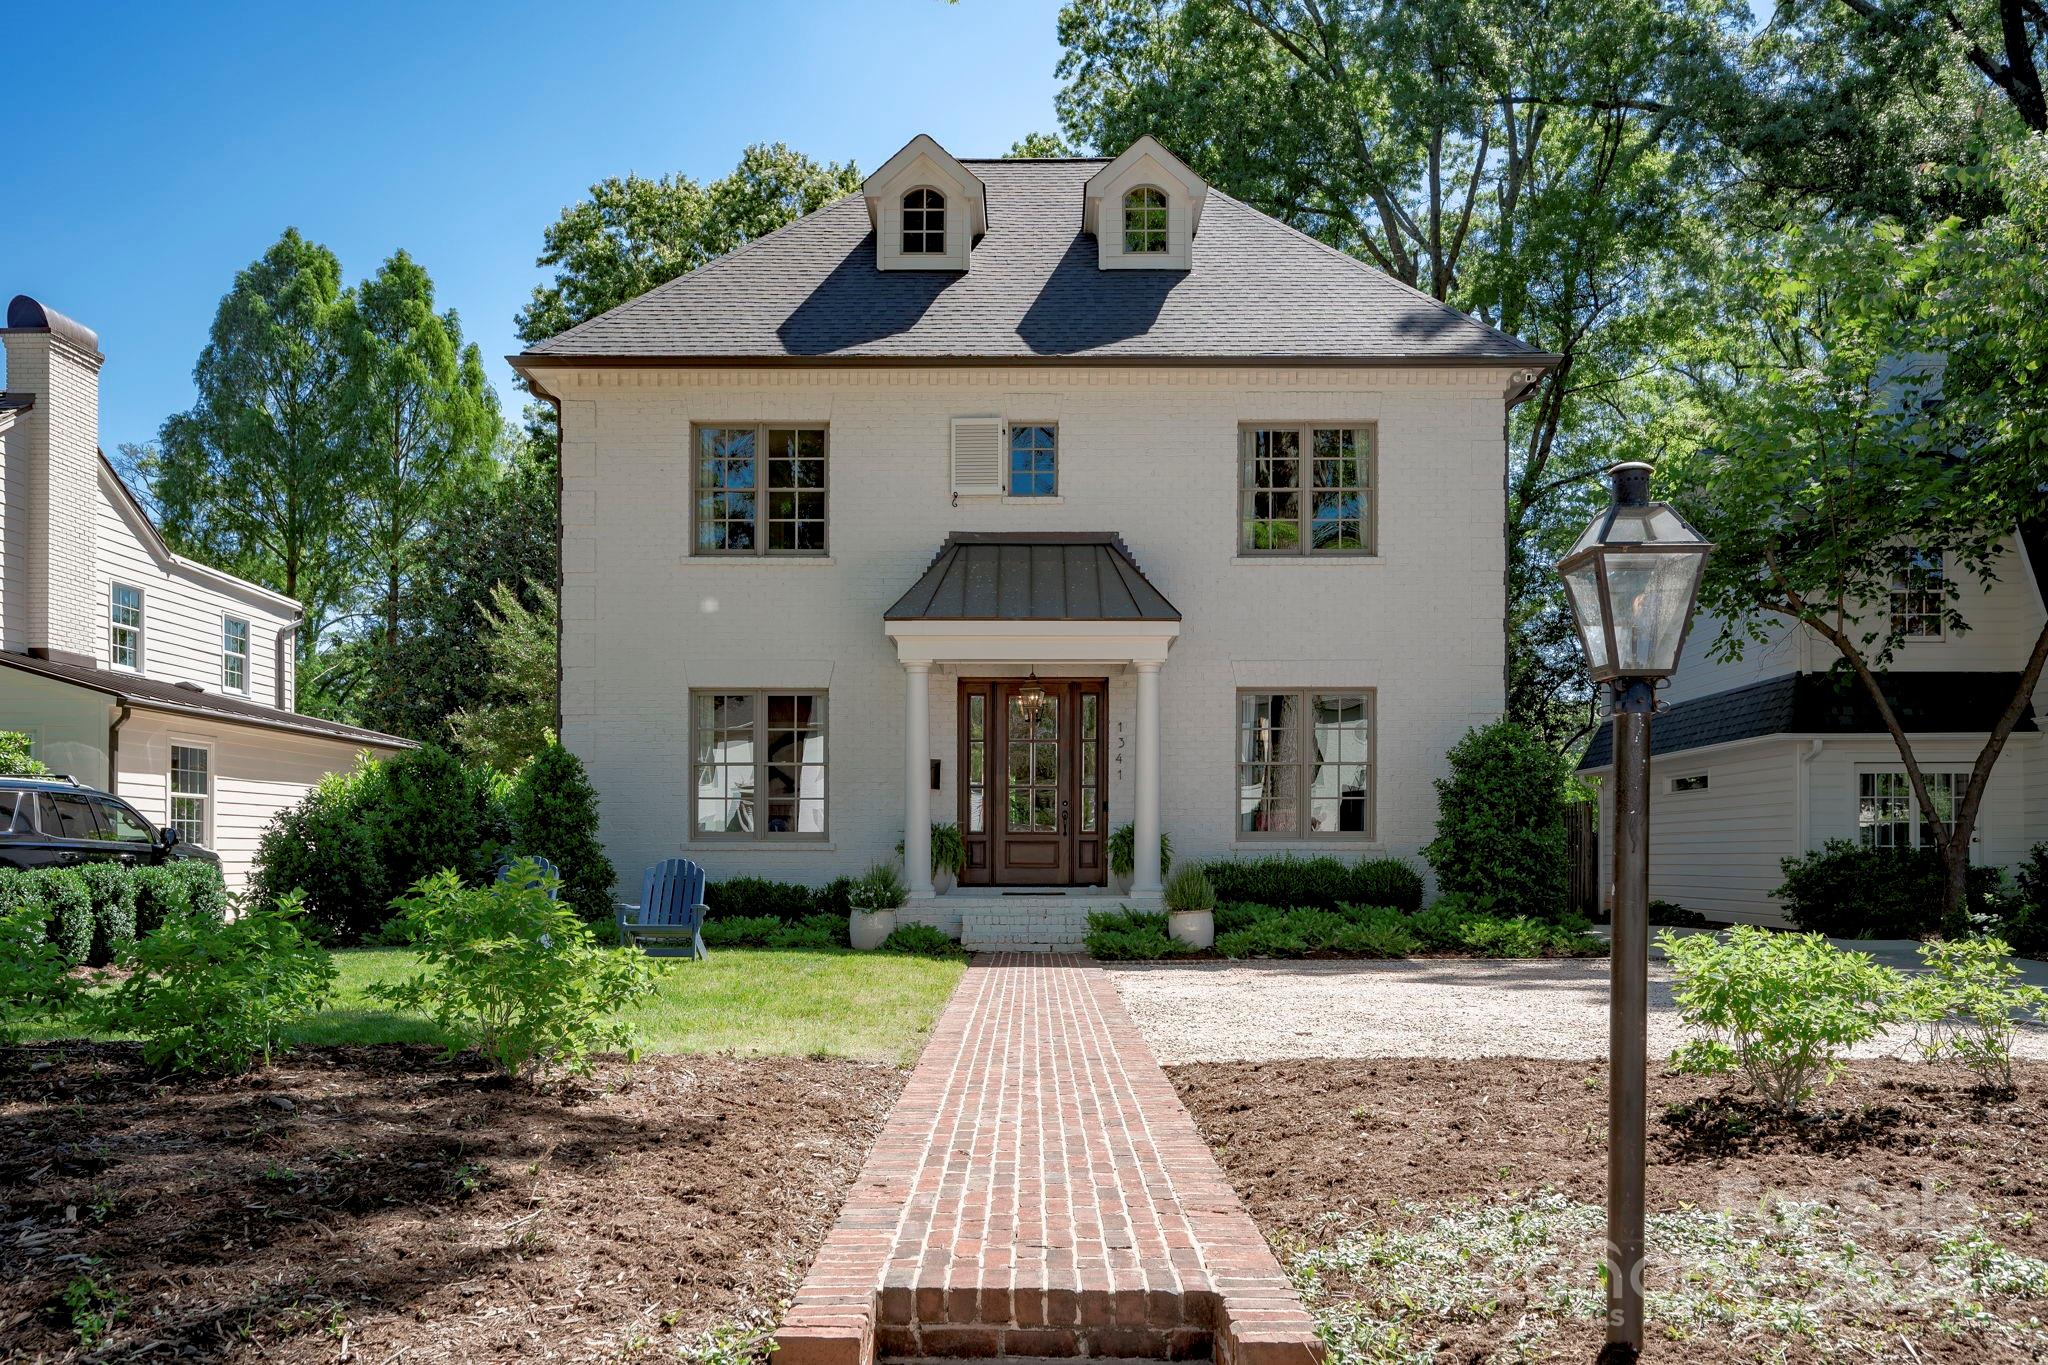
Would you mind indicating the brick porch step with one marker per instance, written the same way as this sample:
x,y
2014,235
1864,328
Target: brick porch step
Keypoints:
x,y
1039,1191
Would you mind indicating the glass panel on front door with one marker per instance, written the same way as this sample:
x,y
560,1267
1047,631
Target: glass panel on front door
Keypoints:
x,y
1034,768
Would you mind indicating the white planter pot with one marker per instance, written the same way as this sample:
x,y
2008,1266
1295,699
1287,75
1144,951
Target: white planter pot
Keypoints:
x,y
1196,928
867,928
1122,882
942,882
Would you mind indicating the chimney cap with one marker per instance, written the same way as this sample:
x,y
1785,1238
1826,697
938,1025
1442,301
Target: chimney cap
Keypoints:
x,y
25,314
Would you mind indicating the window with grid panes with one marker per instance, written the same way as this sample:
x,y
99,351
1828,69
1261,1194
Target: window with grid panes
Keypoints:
x,y
760,490
1034,461
1918,594
924,223
1144,221
1304,764
124,625
759,765
1887,816
191,792
1305,490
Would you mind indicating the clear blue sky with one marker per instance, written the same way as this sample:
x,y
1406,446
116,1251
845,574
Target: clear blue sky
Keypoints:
x,y
159,148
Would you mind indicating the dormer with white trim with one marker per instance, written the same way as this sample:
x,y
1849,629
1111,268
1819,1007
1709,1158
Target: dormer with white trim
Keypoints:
x,y
927,209
1144,209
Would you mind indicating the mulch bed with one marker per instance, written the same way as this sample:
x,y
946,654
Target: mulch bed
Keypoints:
x,y
350,1202
1360,1139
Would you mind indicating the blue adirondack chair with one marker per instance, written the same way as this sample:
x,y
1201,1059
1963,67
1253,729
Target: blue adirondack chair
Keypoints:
x,y
669,920
541,865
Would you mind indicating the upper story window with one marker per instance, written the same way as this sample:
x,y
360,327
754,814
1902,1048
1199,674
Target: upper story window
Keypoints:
x,y
760,490
1306,490
1144,221
1918,593
234,654
124,626
924,223
1034,461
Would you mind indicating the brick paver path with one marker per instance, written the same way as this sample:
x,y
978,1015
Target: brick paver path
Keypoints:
x,y
1039,1190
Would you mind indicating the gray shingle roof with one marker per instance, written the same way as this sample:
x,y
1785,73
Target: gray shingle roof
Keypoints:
x,y
1823,704
1033,576
1257,289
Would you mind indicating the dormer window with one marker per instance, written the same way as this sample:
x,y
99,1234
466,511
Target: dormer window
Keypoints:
x,y
1144,221
924,223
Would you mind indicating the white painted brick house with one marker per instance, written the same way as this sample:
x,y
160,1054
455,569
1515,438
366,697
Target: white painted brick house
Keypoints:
x,y
840,508
130,668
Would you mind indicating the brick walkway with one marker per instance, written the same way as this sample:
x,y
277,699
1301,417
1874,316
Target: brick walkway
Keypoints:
x,y
1039,1190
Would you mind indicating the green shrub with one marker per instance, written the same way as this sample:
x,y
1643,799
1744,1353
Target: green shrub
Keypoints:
x,y
920,940
552,811
740,931
212,996
1967,1005
1359,931
1234,915
515,974
1452,925
1324,883
325,849
812,932
68,902
15,760
35,979
1848,891
1189,889
879,888
1130,936
111,888
1123,851
1500,830
2022,919
435,815
1672,915
751,897
1782,1010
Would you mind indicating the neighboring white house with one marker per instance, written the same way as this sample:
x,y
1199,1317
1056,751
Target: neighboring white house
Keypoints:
x,y
840,507
131,668
1774,755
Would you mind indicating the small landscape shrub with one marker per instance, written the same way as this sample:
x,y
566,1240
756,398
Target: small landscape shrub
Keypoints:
x,y
516,975
765,931
1967,1006
1359,931
551,809
111,888
1781,1010
14,757
1123,850
920,940
1500,830
879,888
1452,925
1189,889
751,897
183,886
325,849
435,814
1130,936
1325,883
35,979
1672,915
1847,891
61,897
212,996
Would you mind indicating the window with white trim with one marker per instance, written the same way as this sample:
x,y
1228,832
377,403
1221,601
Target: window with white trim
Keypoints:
x,y
1034,460
760,490
1887,816
124,626
1693,782
1304,764
758,765
234,654
191,793
1145,221
924,223
1305,490
1918,594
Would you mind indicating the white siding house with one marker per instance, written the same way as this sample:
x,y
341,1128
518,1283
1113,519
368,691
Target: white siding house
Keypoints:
x,y
131,668
834,515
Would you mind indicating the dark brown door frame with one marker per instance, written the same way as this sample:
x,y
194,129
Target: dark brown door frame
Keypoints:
x,y
1082,858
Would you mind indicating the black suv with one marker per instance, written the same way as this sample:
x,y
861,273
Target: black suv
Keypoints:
x,y
54,822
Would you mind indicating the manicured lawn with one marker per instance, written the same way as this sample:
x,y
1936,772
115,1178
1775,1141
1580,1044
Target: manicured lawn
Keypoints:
x,y
746,1001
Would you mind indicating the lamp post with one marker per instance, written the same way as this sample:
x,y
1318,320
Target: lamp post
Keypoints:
x,y
1633,578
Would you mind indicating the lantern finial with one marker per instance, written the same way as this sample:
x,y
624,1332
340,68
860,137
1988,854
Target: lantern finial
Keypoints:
x,y
1631,483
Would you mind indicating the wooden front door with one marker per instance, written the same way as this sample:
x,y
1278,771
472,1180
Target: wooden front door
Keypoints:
x,y
1034,801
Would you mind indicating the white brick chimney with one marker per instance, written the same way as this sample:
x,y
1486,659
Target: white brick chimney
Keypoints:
x,y
50,486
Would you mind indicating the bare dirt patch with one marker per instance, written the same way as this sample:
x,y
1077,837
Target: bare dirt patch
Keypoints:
x,y
1498,1160
380,1204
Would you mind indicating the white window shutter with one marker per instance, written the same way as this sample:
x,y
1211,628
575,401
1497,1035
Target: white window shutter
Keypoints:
x,y
977,457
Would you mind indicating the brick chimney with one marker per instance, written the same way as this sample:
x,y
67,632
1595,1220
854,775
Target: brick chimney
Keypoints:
x,y
49,488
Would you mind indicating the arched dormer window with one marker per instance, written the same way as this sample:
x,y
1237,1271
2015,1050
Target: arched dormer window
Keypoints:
x,y
924,223
1144,221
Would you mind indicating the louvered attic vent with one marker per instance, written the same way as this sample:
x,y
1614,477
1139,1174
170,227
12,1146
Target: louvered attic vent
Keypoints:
x,y
977,457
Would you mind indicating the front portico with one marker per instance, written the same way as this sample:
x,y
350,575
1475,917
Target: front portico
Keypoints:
x,y
1033,626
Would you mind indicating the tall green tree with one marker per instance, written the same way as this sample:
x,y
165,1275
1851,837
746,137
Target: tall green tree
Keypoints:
x,y
255,477
1038,145
516,714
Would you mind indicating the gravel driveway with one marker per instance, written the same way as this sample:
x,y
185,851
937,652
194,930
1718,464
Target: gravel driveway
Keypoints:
x,y
1443,1007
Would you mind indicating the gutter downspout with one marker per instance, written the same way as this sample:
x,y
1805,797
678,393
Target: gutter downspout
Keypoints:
x,y
1507,568
114,750
1802,814
277,650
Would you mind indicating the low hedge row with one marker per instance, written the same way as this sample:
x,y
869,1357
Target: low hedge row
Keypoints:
x,y
1316,883
94,910
1374,931
788,902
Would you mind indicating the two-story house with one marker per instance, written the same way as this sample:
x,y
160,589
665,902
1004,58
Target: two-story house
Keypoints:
x,y
1773,755
1035,497
131,668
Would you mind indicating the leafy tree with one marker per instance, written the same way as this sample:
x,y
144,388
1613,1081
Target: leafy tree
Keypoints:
x,y
552,809
1038,145
15,758
2004,41
255,477
1500,836
633,233
517,714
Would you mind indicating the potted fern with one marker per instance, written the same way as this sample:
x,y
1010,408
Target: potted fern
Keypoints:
x,y
1191,909
949,855
1123,849
873,901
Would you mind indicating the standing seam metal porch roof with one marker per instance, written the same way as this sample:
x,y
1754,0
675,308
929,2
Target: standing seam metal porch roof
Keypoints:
x,y
1033,576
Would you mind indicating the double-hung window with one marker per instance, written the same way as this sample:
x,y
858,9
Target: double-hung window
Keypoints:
x,y
924,223
1918,594
1144,221
1887,816
124,626
1305,490
1034,461
234,654
758,765
1304,764
760,490
191,793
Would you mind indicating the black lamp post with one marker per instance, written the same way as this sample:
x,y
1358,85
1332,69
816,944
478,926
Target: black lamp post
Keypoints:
x,y
1633,579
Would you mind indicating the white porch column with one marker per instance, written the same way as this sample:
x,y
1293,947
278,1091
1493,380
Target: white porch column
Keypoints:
x,y
1145,875
917,779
